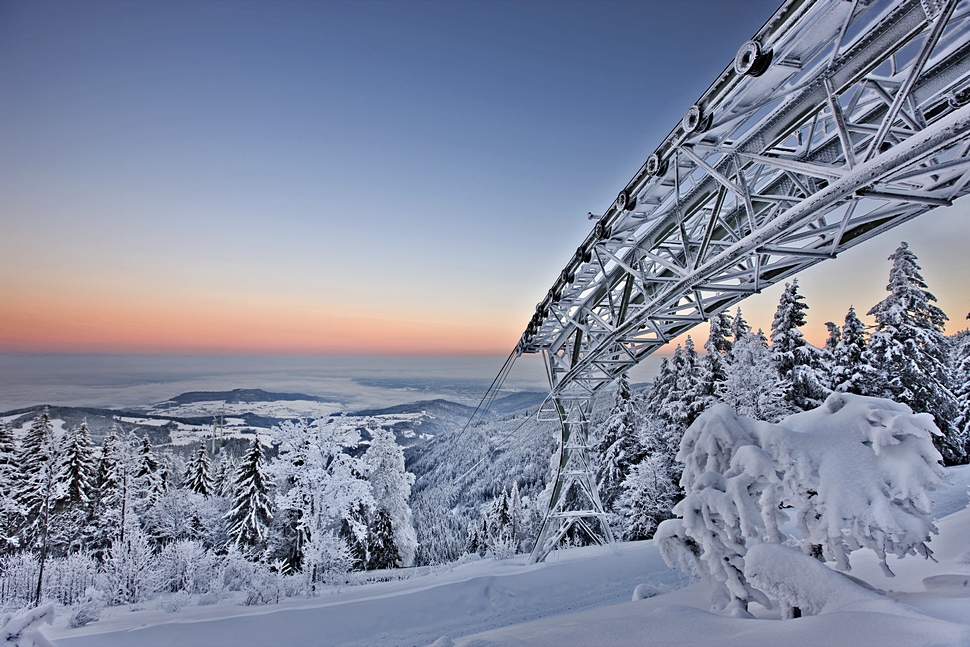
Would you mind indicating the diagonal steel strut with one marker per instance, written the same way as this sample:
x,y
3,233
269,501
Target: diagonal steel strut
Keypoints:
x,y
837,122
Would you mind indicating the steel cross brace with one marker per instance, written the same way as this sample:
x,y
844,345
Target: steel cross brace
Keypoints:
x,y
845,120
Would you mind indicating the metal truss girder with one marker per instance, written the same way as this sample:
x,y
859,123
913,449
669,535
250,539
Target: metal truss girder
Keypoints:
x,y
860,122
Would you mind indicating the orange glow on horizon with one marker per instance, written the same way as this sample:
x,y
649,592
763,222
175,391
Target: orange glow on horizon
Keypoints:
x,y
73,326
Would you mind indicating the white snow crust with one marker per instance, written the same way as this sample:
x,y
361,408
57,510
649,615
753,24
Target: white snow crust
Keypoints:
x,y
582,597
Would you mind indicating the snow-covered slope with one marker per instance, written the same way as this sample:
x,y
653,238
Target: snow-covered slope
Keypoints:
x,y
579,597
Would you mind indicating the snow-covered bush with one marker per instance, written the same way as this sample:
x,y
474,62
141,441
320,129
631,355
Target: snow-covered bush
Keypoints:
x,y
175,603
129,569
235,571
327,560
88,609
67,579
265,587
855,472
186,566
19,579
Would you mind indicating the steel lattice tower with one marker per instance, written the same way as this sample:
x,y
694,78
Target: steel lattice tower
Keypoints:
x,y
837,121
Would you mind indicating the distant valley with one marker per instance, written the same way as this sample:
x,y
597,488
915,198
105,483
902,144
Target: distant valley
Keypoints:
x,y
233,417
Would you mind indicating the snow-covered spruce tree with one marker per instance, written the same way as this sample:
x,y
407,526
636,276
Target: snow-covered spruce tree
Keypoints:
x,y
618,448
826,366
391,485
961,386
833,338
382,550
909,351
198,473
10,515
795,359
501,531
854,473
714,365
224,475
649,492
37,489
661,387
850,373
150,475
76,486
739,327
113,510
752,387
251,514
684,401
77,470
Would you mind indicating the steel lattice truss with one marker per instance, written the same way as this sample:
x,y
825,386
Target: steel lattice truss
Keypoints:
x,y
839,120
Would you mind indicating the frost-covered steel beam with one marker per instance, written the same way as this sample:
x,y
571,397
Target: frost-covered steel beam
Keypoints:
x,y
839,120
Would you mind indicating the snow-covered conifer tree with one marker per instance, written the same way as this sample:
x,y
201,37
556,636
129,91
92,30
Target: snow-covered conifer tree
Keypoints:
x,y
850,371
649,493
793,358
826,356
714,365
661,387
909,351
10,516
224,478
862,466
739,327
77,469
752,387
618,448
251,514
76,487
382,550
684,401
111,512
37,487
833,338
149,475
198,473
391,487
961,387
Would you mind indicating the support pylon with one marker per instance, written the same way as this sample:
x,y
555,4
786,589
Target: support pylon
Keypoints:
x,y
575,501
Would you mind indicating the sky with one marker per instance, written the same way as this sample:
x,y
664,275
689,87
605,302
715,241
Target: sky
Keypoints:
x,y
366,177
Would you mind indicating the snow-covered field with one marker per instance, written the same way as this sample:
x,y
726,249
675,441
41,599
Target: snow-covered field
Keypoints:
x,y
578,597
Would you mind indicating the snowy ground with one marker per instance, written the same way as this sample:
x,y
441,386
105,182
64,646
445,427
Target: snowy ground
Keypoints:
x,y
579,597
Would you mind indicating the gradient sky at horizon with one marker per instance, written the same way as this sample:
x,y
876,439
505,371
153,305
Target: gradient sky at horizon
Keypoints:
x,y
350,177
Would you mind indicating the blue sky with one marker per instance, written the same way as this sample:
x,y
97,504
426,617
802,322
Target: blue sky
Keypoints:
x,y
345,176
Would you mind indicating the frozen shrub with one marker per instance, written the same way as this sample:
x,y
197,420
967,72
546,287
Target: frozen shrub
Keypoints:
x,y
854,473
237,572
186,566
175,603
129,569
210,597
263,590
88,609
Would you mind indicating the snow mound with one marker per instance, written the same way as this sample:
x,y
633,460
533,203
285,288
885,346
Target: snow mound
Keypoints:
x,y
797,580
952,585
644,591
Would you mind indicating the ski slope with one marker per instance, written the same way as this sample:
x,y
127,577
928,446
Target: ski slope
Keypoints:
x,y
578,597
